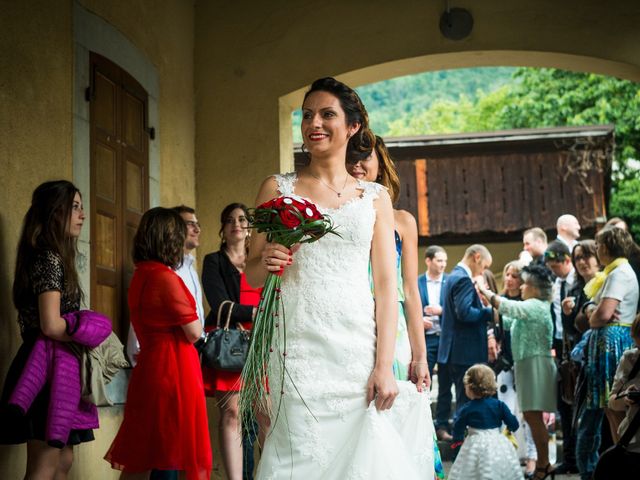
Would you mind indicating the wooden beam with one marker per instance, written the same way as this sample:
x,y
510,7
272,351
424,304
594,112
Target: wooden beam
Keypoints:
x,y
423,199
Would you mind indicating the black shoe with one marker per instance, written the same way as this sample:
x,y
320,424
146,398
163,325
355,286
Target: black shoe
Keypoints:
x,y
543,473
566,468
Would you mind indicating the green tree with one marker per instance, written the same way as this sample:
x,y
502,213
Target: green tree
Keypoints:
x,y
550,98
625,202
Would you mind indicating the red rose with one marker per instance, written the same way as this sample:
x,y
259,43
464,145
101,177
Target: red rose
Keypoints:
x,y
309,211
289,218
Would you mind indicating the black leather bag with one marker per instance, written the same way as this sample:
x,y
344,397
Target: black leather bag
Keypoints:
x,y
225,348
568,372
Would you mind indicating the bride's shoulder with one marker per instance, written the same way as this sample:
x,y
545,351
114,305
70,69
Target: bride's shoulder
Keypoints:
x,y
373,189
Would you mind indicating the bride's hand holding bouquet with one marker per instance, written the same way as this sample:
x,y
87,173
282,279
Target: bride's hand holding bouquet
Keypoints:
x,y
287,222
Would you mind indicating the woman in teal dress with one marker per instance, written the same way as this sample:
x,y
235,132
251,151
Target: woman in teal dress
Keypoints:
x,y
535,371
410,360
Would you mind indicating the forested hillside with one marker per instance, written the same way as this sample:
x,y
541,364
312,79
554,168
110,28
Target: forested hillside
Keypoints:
x,y
486,99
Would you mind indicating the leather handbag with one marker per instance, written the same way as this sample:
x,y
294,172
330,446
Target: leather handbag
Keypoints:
x,y
568,371
226,348
618,461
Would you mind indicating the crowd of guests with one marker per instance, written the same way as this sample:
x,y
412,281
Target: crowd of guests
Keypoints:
x,y
564,331
567,309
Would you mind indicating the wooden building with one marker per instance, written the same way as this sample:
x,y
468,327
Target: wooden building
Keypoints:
x,y
480,187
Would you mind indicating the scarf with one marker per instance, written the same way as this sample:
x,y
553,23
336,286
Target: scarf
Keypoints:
x,y
595,284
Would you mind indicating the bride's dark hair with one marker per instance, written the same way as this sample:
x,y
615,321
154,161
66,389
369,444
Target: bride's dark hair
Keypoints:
x,y
363,141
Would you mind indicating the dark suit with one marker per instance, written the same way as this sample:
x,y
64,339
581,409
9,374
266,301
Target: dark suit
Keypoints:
x,y
434,339
463,340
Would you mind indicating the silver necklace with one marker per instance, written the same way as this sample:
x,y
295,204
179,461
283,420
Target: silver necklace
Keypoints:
x,y
339,193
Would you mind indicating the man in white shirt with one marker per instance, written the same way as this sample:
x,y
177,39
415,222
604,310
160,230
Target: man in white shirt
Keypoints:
x,y
186,272
534,242
568,230
430,286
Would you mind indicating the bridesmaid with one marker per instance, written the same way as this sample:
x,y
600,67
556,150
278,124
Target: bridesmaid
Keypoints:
x,y
410,360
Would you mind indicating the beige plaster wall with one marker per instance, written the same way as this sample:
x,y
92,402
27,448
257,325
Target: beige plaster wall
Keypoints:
x,y
253,62
35,142
163,31
36,123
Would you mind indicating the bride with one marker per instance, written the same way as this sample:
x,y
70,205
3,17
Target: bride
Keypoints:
x,y
340,412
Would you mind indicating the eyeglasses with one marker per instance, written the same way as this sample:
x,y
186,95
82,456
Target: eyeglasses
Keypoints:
x,y
582,257
192,224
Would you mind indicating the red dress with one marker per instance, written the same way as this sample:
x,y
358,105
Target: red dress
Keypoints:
x,y
165,424
219,380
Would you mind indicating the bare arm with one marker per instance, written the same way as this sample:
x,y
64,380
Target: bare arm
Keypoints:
x,y
260,250
408,230
604,312
51,323
382,386
193,330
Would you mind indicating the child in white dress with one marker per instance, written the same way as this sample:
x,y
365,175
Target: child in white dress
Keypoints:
x,y
486,454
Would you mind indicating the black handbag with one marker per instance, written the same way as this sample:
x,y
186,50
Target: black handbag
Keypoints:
x,y
617,461
568,371
225,348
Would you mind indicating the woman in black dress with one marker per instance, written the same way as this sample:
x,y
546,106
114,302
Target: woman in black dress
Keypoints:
x,y
45,287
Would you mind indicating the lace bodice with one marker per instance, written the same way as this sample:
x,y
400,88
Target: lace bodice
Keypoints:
x,y
335,256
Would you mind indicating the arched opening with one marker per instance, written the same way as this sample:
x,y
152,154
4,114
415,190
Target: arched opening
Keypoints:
x,y
429,63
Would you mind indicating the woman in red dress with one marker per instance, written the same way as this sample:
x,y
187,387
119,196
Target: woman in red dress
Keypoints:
x,y
223,280
165,423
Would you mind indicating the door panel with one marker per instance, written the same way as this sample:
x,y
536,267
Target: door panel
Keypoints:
x,y
119,184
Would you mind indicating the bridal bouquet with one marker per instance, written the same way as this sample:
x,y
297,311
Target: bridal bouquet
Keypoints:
x,y
287,221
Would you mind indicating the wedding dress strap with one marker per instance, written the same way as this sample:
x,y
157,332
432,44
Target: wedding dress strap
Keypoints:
x,y
286,182
370,189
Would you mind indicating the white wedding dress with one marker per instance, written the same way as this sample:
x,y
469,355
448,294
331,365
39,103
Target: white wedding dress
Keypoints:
x,y
325,430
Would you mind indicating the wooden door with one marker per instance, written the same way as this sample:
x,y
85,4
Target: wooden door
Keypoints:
x,y
119,184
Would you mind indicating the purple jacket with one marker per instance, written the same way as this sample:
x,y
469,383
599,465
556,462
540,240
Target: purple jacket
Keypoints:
x,y
54,362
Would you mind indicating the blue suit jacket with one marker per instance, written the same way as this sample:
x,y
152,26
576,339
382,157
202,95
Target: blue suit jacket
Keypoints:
x,y
424,293
463,340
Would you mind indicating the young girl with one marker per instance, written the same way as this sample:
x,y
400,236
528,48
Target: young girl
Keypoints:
x,y
486,453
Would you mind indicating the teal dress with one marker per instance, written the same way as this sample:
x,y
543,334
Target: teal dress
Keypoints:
x,y
531,338
402,358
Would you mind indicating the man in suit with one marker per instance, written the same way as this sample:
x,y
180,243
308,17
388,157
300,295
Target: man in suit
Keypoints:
x,y
463,339
430,285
